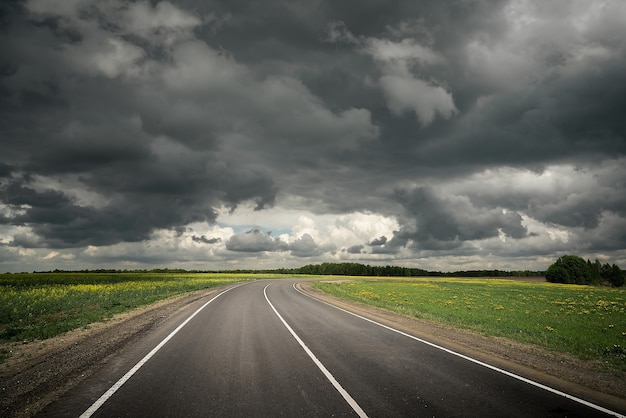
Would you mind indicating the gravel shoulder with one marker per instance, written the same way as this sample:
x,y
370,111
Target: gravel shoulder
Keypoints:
x,y
39,372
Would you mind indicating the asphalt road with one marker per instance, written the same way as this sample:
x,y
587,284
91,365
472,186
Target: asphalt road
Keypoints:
x,y
263,349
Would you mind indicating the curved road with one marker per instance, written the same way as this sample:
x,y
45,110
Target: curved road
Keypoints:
x,y
265,349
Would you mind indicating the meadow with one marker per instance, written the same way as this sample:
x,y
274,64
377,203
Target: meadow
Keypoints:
x,y
587,321
39,306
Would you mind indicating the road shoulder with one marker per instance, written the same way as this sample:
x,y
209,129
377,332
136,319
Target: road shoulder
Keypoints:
x,y
583,379
39,372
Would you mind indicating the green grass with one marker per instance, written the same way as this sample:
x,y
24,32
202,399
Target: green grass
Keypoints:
x,y
40,306
589,322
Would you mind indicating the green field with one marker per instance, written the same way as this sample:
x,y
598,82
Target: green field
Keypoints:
x,y
39,306
589,322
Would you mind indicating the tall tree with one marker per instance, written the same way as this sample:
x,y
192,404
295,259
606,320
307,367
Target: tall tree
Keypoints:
x,y
569,269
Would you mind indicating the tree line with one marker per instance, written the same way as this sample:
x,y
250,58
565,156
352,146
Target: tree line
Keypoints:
x,y
356,269
567,269
575,270
335,269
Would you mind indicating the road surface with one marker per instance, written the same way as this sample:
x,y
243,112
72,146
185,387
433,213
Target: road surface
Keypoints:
x,y
265,349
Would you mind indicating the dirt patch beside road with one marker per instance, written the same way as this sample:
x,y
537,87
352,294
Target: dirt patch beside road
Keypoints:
x,y
38,372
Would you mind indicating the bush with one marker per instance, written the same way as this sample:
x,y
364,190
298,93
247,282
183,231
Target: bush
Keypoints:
x,y
569,269
557,274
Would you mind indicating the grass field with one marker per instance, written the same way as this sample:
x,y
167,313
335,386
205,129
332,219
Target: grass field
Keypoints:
x,y
39,306
589,322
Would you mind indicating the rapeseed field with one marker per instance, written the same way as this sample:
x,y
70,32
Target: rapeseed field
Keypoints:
x,y
39,306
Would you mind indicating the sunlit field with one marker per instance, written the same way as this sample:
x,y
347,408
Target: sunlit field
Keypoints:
x,y
39,306
589,322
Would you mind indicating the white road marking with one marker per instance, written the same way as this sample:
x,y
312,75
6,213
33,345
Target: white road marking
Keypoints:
x,y
97,404
489,366
355,406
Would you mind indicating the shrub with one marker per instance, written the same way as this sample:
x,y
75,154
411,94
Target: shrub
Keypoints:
x,y
569,269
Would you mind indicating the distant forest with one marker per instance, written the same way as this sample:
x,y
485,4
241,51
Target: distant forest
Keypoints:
x,y
343,269
355,269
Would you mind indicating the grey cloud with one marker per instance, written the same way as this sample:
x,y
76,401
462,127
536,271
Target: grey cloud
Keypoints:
x,y
355,249
378,241
445,223
204,240
565,196
255,241
60,221
581,210
383,245
305,246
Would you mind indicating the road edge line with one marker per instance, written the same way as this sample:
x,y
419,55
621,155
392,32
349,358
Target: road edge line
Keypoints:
x,y
105,397
473,360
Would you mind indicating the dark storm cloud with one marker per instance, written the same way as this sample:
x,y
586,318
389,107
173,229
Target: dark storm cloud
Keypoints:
x,y
508,104
447,223
567,197
5,170
87,120
59,221
461,120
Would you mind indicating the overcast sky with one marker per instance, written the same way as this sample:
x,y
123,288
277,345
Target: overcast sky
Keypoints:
x,y
263,134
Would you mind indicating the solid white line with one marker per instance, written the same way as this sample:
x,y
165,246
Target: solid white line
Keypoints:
x,y
355,406
97,404
489,366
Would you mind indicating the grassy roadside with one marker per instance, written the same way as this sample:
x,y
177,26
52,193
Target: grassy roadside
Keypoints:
x,y
40,306
589,322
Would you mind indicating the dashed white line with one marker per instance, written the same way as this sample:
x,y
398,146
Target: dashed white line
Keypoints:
x,y
355,406
489,366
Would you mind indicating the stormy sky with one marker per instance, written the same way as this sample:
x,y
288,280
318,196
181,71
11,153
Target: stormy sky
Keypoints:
x,y
263,134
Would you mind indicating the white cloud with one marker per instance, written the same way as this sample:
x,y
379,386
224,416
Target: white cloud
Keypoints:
x,y
51,255
55,254
328,231
403,52
111,57
405,93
